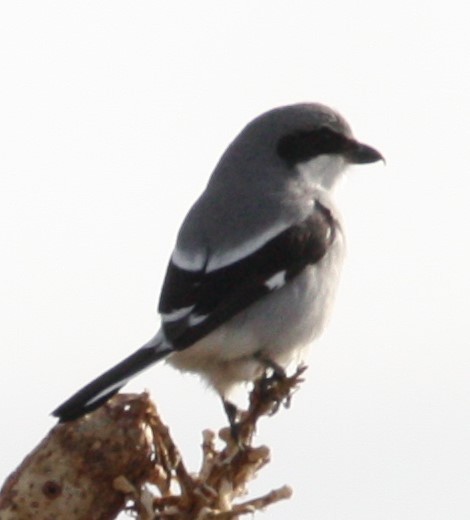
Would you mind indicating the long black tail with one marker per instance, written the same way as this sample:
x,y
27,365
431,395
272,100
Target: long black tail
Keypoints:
x,y
96,393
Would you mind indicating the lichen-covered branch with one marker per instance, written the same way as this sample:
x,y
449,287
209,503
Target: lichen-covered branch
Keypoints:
x,y
122,457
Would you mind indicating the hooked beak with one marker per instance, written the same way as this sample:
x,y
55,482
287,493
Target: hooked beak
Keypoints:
x,y
358,153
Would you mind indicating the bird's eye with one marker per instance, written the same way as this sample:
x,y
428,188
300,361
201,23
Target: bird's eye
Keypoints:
x,y
326,135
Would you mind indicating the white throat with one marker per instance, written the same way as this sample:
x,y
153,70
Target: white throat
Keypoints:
x,y
324,171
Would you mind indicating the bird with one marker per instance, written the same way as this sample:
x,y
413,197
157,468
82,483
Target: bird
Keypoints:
x,y
251,280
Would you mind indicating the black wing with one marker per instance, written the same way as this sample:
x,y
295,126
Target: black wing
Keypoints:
x,y
194,303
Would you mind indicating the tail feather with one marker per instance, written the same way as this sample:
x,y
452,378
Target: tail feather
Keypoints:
x,y
96,393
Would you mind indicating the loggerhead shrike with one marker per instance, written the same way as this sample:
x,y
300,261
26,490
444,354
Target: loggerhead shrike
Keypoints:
x,y
252,277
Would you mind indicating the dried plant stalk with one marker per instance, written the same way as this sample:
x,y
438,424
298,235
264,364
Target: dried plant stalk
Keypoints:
x,y
122,457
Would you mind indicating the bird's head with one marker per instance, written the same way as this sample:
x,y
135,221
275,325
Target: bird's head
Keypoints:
x,y
307,137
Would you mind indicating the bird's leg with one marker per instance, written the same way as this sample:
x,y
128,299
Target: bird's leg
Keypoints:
x,y
232,414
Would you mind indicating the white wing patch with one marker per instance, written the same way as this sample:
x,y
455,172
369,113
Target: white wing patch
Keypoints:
x,y
196,260
194,319
276,281
223,258
178,314
188,260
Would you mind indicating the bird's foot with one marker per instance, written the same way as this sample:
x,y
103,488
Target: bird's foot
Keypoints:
x,y
276,388
269,392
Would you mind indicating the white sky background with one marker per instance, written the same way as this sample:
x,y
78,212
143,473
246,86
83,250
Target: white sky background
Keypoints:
x,y
112,116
